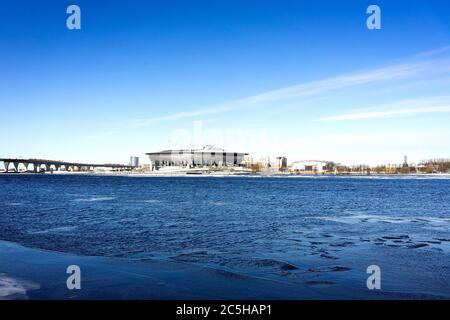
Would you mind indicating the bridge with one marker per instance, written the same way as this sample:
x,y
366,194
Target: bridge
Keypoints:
x,y
42,165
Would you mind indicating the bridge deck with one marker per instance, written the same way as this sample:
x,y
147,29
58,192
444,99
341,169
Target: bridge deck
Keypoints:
x,y
64,163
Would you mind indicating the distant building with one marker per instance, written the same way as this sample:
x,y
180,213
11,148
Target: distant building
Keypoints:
x,y
405,162
310,166
208,156
281,163
248,161
264,162
134,161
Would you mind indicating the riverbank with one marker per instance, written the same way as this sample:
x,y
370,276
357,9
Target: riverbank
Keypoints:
x,y
27,273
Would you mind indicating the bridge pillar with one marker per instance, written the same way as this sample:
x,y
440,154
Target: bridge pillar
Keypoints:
x,y
26,164
6,164
16,166
37,167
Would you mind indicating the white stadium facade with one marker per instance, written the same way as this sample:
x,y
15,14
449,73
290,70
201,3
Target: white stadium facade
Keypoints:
x,y
207,156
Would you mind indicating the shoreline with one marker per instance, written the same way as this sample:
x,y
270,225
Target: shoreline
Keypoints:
x,y
38,274
28,273
227,174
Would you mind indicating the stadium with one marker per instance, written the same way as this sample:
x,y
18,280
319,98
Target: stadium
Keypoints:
x,y
207,156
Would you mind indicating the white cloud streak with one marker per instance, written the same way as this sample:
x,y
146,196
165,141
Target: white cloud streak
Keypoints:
x,y
395,72
386,114
410,107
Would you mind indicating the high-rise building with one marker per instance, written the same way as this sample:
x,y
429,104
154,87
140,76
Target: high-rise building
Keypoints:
x,y
134,161
281,163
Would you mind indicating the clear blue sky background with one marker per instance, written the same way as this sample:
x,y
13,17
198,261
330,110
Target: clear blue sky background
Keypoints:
x,y
141,74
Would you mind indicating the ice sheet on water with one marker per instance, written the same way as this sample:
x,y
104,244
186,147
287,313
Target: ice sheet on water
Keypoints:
x,y
14,288
93,199
357,218
64,229
151,201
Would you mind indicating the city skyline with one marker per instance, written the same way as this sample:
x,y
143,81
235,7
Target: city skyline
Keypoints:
x,y
305,80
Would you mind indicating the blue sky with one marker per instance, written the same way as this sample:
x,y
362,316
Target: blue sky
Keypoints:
x,y
305,79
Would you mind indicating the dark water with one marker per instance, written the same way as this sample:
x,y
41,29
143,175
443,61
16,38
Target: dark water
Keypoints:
x,y
322,231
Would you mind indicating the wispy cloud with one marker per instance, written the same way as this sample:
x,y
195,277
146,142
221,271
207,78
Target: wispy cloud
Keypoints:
x,y
433,52
400,71
402,108
395,72
386,114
